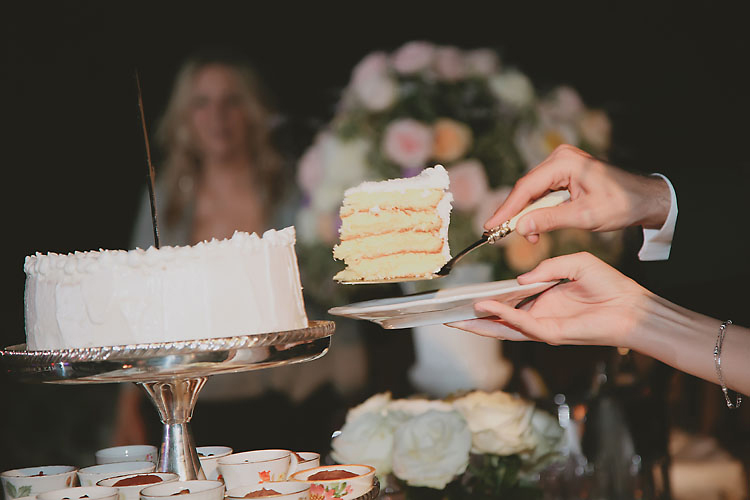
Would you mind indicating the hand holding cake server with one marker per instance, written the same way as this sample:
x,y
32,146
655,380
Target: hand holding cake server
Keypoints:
x,y
596,304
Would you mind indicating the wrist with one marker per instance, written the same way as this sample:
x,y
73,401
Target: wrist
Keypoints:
x,y
656,199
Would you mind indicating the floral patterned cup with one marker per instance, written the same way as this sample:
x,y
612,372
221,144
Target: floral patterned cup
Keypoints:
x,y
344,488
209,457
131,453
89,476
31,481
81,493
137,482
255,467
285,490
197,489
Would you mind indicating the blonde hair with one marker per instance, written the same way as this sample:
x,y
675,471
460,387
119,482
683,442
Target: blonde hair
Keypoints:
x,y
182,162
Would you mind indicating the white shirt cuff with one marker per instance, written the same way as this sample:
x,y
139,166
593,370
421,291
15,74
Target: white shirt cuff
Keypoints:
x,y
657,243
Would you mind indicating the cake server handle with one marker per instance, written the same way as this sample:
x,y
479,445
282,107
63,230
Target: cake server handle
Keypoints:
x,y
495,234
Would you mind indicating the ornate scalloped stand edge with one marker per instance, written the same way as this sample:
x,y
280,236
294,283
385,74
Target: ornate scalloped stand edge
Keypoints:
x,y
171,373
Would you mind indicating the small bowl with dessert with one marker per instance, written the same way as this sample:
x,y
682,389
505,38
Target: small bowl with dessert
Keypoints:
x,y
345,481
129,486
280,490
209,457
31,481
80,493
194,489
89,476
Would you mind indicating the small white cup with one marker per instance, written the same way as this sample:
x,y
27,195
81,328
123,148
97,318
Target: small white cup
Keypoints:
x,y
255,467
81,492
209,457
31,481
133,491
199,489
287,490
89,476
306,460
130,453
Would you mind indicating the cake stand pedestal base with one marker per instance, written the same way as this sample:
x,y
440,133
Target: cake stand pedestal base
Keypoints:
x,y
175,401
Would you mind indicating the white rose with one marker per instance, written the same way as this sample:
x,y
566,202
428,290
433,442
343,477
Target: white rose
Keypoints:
x,y
535,143
500,423
431,449
344,164
414,407
512,87
374,404
368,440
548,438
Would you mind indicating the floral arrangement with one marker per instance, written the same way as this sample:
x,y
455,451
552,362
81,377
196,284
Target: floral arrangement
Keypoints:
x,y
425,104
479,445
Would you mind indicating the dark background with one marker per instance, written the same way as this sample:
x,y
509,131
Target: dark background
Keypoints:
x,y
671,77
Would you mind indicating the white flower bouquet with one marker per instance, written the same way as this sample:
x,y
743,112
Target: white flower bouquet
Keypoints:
x,y
479,445
425,104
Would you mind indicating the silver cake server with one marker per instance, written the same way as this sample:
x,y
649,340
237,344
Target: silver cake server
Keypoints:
x,y
491,236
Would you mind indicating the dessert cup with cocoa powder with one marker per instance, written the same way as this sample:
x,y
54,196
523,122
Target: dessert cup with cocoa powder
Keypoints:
x,y
345,481
281,490
196,489
129,486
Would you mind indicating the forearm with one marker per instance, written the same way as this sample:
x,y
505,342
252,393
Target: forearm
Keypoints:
x,y
685,340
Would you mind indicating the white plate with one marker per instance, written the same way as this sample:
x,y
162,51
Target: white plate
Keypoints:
x,y
438,306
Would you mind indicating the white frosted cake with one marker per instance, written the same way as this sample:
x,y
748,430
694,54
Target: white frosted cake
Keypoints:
x,y
396,228
219,288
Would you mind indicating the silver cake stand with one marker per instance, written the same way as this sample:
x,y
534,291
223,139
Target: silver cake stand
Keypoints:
x,y
171,373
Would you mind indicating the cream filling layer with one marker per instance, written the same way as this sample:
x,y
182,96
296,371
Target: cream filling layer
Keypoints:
x,y
388,244
406,265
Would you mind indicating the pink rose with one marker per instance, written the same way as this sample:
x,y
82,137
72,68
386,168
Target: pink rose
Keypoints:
x,y
482,62
408,143
488,205
468,183
596,129
371,82
413,57
310,169
563,104
452,140
450,64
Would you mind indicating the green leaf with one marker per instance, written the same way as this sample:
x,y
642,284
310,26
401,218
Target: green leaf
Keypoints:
x,y
11,490
24,491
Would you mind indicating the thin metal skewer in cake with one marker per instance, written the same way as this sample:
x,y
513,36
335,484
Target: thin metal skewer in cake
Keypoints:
x,y
149,166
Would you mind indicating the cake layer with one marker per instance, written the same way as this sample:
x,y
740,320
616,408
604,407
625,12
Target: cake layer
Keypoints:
x,y
220,288
410,199
388,244
406,265
362,224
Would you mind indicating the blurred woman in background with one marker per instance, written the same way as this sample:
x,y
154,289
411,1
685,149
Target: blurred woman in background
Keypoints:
x,y
222,172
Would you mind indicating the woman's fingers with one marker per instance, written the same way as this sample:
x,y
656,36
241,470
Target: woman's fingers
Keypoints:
x,y
515,318
489,328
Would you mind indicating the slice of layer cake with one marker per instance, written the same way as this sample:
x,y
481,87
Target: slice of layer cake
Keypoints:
x,y
395,229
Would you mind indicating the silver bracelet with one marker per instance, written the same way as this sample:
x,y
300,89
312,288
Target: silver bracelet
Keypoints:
x,y
717,362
